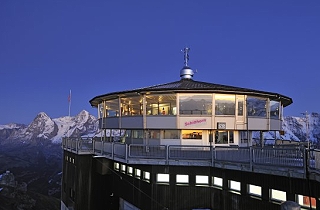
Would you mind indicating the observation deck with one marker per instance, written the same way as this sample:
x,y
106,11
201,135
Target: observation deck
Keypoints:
x,y
288,161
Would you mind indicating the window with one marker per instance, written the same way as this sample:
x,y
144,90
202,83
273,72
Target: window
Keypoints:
x,y
305,201
171,134
217,181
123,168
182,179
131,106
116,166
254,190
163,178
234,185
274,109
202,180
146,176
137,134
243,137
195,104
192,134
256,107
138,173
100,110
161,104
112,107
224,137
153,134
224,104
130,170
231,137
278,195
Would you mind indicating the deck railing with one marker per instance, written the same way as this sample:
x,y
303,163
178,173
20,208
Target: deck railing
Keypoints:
x,y
297,160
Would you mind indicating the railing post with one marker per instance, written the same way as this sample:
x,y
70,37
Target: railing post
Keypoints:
x,y
126,156
167,154
305,164
251,158
102,147
112,150
76,145
93,146
79,147
212,156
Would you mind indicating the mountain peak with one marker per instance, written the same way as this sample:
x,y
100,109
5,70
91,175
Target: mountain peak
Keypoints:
x,y
42,115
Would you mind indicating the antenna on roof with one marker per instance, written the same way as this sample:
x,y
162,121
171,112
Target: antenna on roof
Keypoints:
x,y
186,72
186,55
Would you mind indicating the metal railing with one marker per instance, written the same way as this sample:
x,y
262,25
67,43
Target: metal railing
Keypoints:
x,y
293,159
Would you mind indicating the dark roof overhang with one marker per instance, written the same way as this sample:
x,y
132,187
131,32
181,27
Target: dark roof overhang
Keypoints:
x,y
188,86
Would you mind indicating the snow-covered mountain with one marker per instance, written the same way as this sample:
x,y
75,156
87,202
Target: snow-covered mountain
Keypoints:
x,y
43,128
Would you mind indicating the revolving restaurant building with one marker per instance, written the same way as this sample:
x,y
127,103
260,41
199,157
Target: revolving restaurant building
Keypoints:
x,y
189,112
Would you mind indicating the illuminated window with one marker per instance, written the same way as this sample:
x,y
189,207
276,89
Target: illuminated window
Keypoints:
x,y
116,166
202,180
123,168
131,106
130,170
234,185
278,195
254,190
161,104
138,173
163,178
191,134
182,179
112,107
305,201
146,176
217,181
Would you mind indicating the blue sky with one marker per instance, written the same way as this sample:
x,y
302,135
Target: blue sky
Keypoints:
x,y
96,47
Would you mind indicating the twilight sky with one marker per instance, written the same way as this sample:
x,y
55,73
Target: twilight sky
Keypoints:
x,y
48,47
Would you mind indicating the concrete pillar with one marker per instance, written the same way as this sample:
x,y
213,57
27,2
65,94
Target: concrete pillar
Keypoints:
x,y
290,205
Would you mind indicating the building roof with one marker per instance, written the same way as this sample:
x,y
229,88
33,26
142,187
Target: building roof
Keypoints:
x,y
189,85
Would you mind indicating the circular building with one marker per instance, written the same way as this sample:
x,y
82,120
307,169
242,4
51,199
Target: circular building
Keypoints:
x,y
189,112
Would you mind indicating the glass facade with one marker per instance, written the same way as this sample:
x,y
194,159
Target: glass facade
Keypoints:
x,y
112,107
190,107
153,134
195,104
256,107
171,134
131,106
190,104
224,137
161,104
274,109
191,134
225,104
